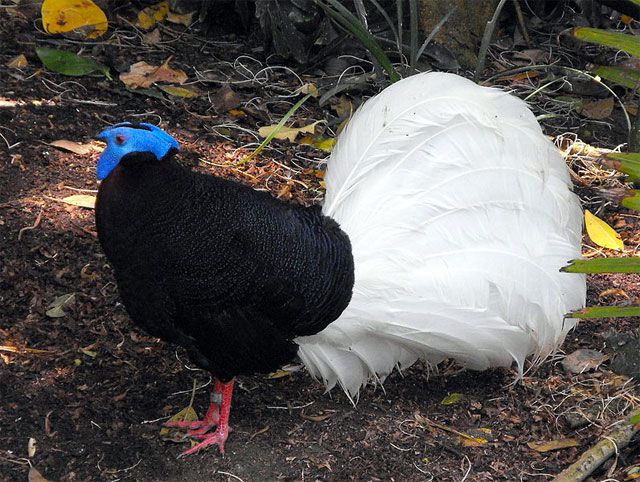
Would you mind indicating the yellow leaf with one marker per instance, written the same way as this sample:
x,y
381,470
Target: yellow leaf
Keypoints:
x,y
143,75
558,444
237,113
81,18
278,374
179,91
185,19
601,233
289,133
149,16
18,62
187,414
81,200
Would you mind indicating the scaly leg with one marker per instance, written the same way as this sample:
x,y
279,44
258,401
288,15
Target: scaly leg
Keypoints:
x,y
210,420
219,437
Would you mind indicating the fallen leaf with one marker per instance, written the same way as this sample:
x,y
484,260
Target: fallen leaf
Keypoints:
x,y
323,143
289,133
237,113
81,200
601,233
89,353
152,38
311,89
80,18
452,399
185,19
225,99
278,374
179,91
71,146
316,418
153,14
143,75
68,63
557,444
17,62
55,308
342,106
35,476
613,292
31,447
187,414
597,109
583,360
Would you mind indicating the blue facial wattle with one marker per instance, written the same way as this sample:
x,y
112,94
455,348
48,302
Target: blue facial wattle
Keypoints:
x,y
123,139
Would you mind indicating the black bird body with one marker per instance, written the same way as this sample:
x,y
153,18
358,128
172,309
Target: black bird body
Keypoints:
x,y
230,273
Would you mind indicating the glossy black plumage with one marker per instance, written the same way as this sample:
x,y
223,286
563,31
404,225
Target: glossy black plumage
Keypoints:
x,y
230,273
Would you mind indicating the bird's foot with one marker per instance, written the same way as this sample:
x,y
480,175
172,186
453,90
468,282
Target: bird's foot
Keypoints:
x,y
219,437
196,428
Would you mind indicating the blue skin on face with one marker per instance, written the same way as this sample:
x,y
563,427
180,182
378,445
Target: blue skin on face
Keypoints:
x,y
122,139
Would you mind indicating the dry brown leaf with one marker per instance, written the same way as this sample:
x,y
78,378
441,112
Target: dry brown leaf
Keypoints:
x,y
152,38
35,476
597,109
17,62
289,133
225,99
71,146
583,360
557,444
316,418
143,75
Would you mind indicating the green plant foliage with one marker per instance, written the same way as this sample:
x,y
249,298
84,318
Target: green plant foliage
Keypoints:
x,y
632,201
617,40
606,312
351,24
604,265
68,63
627,162
629,78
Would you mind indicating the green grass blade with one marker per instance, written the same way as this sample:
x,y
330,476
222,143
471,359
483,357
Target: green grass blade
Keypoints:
x,y
350,23
279,126
629,78
604,265
606,312
616,40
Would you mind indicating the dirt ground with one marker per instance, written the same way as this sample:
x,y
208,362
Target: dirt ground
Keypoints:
x,y
95,397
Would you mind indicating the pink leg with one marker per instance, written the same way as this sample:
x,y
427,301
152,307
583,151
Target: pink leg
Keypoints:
x,y
210,420
219,437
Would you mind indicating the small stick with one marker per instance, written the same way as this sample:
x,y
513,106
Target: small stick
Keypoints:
x,y
29,228
598,454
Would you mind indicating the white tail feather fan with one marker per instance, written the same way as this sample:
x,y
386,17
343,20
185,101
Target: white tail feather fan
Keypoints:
x,y
460,214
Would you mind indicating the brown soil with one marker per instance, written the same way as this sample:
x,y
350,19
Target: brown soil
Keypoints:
x,y
95,400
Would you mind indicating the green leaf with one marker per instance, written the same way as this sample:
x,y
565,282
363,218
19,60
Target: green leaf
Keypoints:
x,y
629,78
633,201
635,418
606,312
617,40
604,265
68,63
627,162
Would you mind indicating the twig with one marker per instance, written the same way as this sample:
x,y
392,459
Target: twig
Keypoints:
x,y
29,228
598,454
521,24
486,40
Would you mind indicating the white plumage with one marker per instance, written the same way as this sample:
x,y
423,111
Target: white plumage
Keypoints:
x,y
460,214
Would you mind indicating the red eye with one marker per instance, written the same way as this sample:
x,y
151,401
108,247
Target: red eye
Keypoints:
x,y
120,139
